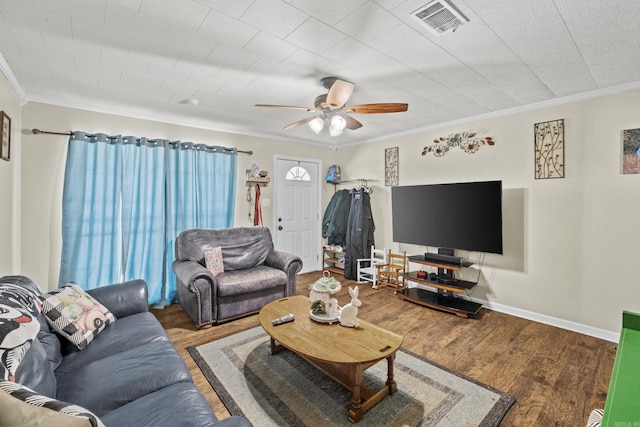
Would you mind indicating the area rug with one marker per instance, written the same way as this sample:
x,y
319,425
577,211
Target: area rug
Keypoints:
x,y
285,390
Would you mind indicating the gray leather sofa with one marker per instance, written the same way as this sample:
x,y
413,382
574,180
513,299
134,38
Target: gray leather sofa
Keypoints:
x,y
254,273
129,375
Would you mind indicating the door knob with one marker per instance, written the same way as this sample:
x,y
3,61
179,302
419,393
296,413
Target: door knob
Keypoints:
x,y
279,227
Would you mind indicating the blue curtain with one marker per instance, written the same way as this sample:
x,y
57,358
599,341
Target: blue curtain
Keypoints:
x,y
201,189
126,199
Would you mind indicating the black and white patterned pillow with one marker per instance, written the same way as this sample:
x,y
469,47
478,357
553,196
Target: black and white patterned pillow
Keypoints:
x,y
21,293
595,418
27,395
18,329
75,314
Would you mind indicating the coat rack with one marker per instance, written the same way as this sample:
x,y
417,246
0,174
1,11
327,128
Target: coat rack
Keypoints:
x,y
363,183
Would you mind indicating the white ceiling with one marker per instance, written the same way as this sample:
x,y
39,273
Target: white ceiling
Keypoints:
x,y
142,57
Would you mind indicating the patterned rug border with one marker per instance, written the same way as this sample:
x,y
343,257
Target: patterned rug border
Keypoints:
x,y
494,417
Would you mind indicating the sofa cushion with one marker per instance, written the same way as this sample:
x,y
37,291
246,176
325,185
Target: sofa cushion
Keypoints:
x,y
158,409
213,260
110,382
76,315
249,281
51,344
20,406
35,371
125,334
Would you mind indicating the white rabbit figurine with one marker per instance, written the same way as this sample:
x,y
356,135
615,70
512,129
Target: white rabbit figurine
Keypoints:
x,y
349,314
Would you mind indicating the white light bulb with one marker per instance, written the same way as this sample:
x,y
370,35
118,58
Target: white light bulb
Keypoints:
x,y
338,123
334,132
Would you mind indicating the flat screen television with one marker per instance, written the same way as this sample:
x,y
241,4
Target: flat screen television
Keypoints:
x,y
466,216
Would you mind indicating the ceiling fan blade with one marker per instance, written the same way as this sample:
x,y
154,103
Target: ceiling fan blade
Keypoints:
x,y
291,107
352,123
301,122
339,93
377,108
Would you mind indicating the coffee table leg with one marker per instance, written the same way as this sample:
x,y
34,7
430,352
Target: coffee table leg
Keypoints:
x,y
355,408
274,347
391,382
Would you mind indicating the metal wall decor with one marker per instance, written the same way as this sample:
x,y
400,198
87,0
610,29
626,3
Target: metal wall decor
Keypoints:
x,y
549,149
631,151
5,142
391,166
467,141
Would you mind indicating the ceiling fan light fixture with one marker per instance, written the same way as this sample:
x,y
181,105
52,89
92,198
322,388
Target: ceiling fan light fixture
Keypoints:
x,y
338,123
316,124
334,132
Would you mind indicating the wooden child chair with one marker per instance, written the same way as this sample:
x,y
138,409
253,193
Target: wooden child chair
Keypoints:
x,y
392,273
368,267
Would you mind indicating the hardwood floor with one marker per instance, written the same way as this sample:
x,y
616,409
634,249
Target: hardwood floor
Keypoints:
x,y
557,376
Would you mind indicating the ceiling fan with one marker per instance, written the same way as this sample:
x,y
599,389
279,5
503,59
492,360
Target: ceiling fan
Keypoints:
x,y
332,109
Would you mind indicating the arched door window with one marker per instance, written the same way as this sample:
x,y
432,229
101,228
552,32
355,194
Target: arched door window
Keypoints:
x,y
298,173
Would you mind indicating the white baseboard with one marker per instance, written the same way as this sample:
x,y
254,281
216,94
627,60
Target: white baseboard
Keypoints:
x,y
541,318
553,321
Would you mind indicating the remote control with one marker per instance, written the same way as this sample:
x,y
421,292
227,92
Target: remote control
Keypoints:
x,y
284,319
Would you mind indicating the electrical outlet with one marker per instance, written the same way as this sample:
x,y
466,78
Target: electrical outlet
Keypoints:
x,y
266,202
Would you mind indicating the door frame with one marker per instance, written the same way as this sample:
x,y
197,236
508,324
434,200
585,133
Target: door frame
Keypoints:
x,y
276,200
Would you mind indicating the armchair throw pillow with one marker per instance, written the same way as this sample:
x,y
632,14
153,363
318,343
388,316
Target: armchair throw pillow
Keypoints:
x,y
213,260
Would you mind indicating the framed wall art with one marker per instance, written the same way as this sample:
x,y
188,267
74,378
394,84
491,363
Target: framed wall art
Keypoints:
x,y
5,144
631,151
549,149
391,166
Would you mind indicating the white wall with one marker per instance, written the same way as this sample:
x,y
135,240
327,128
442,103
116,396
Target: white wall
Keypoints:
x,y
9,183
571,245
43,173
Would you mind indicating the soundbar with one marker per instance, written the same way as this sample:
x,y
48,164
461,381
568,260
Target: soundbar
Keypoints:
x,y
445,259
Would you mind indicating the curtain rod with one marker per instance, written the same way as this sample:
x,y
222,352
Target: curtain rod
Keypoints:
x,y
38,132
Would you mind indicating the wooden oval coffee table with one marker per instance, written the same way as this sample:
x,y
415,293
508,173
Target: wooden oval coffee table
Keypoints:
x,y
342,353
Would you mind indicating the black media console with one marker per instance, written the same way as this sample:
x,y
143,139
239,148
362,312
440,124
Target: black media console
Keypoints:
x,y
448,289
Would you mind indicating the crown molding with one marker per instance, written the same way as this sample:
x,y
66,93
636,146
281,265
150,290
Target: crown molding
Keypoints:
x,y
508,112
13,80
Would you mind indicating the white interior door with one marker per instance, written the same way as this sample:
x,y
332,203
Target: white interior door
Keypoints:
x,y
297,218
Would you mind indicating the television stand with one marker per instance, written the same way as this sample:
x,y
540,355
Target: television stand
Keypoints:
x,y
447,297
441,258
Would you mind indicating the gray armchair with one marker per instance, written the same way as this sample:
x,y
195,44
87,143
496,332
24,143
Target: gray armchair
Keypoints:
x,y
254,273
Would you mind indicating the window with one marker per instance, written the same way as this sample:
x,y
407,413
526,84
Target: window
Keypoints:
x,y
298,173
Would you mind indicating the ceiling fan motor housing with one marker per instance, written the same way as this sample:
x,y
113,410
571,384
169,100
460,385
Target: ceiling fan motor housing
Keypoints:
x,y
327,82
321,101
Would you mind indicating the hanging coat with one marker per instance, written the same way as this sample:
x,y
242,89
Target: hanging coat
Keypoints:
x,y
360,228
334,220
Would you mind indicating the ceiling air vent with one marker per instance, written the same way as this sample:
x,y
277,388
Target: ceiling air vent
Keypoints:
x,y
440,16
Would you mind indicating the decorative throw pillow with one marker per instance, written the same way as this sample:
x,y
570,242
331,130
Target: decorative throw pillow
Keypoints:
x,y
21,406
75,314
595,418
213,260
18,329
22,293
